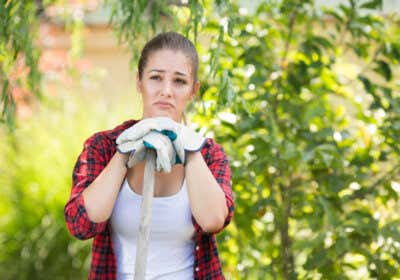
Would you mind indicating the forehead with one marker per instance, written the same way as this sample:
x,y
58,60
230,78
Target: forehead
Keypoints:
x,y
169,61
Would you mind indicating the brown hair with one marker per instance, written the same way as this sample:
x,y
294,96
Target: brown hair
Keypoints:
x,y
171,41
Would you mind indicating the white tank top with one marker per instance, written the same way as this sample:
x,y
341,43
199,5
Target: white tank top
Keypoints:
x,y
171,244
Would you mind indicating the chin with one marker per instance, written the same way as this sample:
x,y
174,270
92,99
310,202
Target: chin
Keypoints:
x,y
161,114
157,113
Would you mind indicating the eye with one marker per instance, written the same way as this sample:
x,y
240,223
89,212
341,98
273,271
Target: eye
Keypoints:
x,y
155,77
180,81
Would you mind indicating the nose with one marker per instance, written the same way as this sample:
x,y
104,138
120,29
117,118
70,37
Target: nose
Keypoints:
x,y
166,89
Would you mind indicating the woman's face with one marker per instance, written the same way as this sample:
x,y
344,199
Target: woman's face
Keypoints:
x,y
167,84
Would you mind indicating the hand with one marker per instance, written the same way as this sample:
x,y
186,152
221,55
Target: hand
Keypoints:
x,y
166,155
137,152
141,128
183,138
133,140
187,140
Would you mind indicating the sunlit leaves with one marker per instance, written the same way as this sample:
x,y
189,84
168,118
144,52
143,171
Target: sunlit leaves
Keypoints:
x,y
317,136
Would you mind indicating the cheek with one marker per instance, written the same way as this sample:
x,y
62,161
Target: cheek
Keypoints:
x,y
184,100
148,92
185,91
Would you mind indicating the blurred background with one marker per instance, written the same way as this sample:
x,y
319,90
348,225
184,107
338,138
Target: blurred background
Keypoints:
x,y
304,97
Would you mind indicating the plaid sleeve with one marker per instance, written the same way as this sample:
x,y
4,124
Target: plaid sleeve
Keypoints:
x,y
88,166
218,164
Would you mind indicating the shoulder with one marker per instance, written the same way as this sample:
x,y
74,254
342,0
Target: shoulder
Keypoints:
x,y
107,137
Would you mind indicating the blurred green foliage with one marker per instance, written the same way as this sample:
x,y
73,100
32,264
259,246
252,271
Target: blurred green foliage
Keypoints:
x,y
17,32
36,163
306,103
35,174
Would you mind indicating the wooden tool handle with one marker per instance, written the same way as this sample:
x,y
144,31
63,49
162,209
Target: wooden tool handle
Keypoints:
x,y
145,219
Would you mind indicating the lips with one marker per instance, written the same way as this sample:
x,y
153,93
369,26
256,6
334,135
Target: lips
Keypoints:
x,y
163,104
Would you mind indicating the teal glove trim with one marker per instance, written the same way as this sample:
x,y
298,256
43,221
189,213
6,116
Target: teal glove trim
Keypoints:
x,y
148,145
171,135
177,160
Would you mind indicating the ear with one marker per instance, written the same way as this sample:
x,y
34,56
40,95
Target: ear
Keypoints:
x,y
196,88
138,83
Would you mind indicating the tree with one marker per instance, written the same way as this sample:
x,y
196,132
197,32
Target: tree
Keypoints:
x,y
314,144
18,55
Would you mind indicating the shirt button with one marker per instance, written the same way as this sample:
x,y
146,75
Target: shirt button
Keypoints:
x,y
197,268
197,248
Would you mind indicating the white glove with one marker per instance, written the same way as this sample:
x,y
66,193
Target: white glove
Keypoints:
x,y
141,128
131,146
136,149
187,140
183,138
131,141
160,143
166,155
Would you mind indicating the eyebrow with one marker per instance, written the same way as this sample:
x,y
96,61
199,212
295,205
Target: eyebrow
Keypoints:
x,y
163,71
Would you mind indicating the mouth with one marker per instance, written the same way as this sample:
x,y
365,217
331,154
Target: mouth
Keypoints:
x,y
163,104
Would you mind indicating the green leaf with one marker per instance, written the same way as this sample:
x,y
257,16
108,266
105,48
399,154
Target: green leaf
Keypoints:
x,y
322,41
342,245
392,230
374,4
335,15
316,259
383,68
361,49
369,87
330,211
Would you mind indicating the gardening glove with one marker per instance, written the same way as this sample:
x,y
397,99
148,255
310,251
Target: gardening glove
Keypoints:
x,y
187,140
166,155
131,139
159,142
137,152
141,128
184,139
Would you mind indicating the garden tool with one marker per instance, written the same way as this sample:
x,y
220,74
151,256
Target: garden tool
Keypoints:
x,y
163,145
145,219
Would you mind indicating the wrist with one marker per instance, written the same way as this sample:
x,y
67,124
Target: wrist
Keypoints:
x,y
193,156
122,158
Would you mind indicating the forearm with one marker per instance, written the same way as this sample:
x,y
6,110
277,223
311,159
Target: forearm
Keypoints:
x,y
100,195
207,199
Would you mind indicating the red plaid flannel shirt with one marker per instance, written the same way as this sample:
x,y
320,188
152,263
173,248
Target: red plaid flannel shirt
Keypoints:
x,y
97,152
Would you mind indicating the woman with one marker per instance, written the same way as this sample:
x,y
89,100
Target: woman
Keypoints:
x,y
191,203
